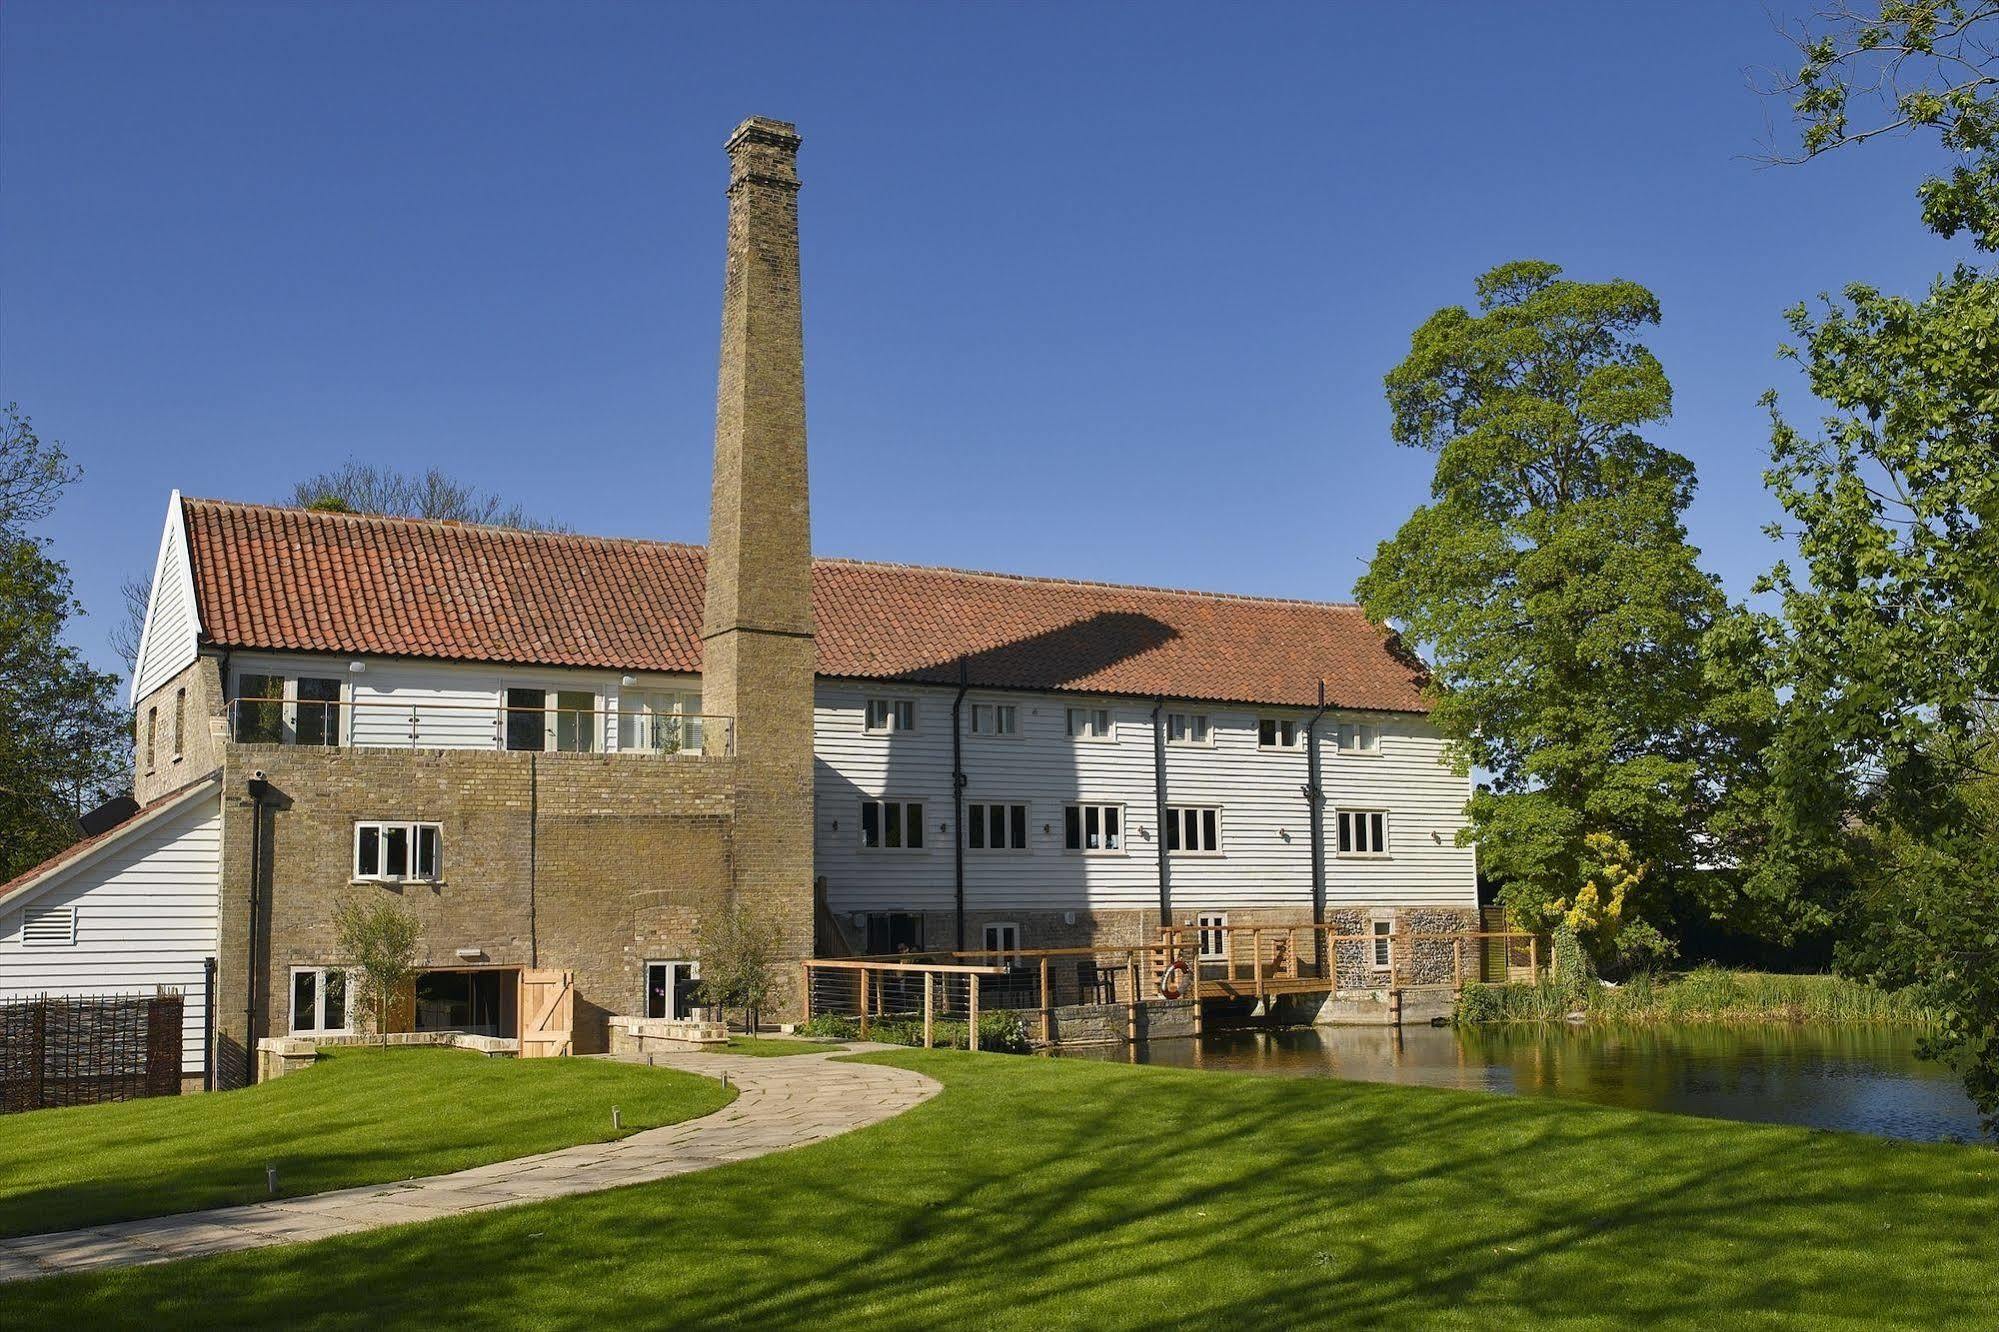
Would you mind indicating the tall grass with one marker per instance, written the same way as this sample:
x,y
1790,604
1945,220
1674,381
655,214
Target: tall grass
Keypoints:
x,y
1708,994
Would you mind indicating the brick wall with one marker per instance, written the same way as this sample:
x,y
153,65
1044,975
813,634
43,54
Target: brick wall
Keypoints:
x,y
202,731
593,863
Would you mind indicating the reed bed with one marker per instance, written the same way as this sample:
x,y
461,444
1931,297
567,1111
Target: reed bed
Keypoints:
x,y
1707,994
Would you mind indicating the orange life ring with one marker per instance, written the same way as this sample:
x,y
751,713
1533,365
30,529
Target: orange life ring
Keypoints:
x,y
1173,980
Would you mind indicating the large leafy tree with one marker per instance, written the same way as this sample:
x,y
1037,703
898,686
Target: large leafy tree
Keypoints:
x,y
1550,581
63,743
1886,762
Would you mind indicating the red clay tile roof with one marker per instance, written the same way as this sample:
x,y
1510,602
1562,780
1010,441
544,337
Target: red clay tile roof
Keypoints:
x,y
296,580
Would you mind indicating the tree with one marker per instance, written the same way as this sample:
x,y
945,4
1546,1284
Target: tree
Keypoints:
x,y
379,938
63,738
1908,67
741,946
357,487
1550,582
133,594
1885,762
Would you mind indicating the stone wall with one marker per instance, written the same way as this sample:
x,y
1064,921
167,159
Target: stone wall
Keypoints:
x,y
588,862
203,731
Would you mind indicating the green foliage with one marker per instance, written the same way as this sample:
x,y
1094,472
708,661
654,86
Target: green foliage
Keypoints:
x,y
64,747
1887,643
741,947
1000,1031
1550,582
1707,994
379,939
1911,66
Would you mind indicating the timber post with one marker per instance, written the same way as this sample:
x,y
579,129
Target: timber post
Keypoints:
x,y
1131,1004
929,1038
1256,959
972,1015
805,972
1045,1014
864,1003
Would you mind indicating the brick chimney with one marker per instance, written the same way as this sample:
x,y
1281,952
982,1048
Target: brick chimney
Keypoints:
x,y
757,627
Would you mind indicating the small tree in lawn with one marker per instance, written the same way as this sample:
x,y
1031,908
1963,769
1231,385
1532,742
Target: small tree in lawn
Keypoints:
x,y
741,946
380,938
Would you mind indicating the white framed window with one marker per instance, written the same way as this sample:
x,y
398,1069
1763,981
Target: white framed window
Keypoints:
x,y
397,852
673,989
1211,928
1093,829
1363,832
1193,830
1090,724
48,927
319,1001
995,826
1279,733
892,825
1188,728
659,721
884,715
1002,943
566,721
1357,738
1381,942
1001,719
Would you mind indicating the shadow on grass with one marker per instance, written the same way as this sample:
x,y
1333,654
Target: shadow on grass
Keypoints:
x,y
1047,1192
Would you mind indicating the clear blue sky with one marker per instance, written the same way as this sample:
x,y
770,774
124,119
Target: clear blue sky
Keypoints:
x,y
1097,291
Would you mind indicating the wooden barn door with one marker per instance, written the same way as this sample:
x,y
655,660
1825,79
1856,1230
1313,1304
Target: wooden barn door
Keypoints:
x,y
548,1013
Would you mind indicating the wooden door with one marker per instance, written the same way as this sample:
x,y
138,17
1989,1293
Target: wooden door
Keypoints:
x,y
548,1013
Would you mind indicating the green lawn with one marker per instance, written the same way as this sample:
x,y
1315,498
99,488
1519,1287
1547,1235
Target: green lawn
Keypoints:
x,y
359,1116
764,1045
1050,1193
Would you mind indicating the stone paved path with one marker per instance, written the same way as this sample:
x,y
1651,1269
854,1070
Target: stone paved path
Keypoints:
x,y
783,1101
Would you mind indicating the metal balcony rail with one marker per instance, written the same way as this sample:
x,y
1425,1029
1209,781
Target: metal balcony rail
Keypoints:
x,y
427,724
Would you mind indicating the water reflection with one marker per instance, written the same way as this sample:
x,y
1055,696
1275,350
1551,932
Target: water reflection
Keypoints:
x,y
1862,1078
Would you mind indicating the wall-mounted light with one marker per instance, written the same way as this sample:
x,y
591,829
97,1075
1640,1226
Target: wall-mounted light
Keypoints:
x,y
860,918
1047,827
836,825
356,667
1068,918
471,954
628,680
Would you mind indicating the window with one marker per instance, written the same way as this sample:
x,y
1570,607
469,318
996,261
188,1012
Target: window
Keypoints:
x,y
1002,943
894,932
575,721
994,719
1090,723
658,721
995,827
1212,929
527,718
890,714
1383,930
1194,832
1279,733
673,990
393,852
48,927
277,709
318,711
1097,828
1357,738
152,737
180,722
260,709
1363,832
892,825
319,1000
564,720
1187,728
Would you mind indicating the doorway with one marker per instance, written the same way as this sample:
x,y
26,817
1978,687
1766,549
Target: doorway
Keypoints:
x,y
485,1002
673,990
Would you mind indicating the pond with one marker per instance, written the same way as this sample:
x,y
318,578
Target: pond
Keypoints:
x,y
1865,1079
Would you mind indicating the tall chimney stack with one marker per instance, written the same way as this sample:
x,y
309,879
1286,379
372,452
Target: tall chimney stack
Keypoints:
x,y
757,626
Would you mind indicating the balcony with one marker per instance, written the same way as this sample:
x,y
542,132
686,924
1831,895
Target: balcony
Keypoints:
x,y
433,724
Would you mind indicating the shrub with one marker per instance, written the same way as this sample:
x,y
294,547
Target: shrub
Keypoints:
x,y
1003,1032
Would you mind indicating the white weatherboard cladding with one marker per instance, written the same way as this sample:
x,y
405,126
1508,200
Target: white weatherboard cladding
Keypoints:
x,y
172,632
1266,829
146,916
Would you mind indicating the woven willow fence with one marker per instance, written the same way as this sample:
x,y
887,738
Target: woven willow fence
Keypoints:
x,y
79,1050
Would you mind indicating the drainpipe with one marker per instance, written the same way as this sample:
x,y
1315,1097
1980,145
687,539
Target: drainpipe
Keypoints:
x,y
258,788
958,810
1315,799
1159,803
